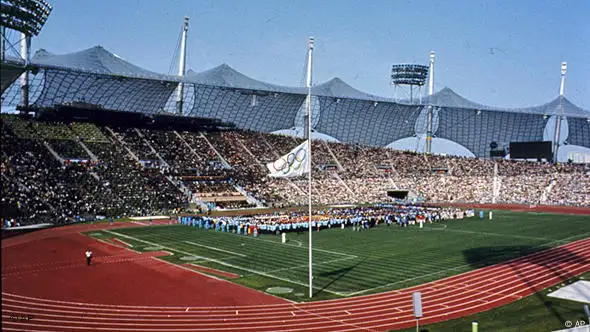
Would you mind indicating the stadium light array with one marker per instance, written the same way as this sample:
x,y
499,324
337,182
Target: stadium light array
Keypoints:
x,y
26,16
409,74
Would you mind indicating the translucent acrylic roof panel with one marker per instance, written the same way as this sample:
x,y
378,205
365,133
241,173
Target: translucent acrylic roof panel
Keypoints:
x,y
579,131
366,122
246,109
475,130
10,72
111,92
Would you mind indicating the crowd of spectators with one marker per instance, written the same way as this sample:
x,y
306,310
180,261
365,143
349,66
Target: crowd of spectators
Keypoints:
x,y
364,174
138,171
38,188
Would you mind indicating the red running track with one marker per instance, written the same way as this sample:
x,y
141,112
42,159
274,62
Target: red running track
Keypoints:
x,y
64,295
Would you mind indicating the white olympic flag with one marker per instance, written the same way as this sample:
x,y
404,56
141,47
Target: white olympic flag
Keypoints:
x,y
292,164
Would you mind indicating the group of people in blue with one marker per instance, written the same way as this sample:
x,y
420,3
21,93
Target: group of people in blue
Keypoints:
x,y
359,218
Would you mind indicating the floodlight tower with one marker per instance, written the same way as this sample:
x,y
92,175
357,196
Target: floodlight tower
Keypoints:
x,y
408,75
559,116
181,65
26,17
430,111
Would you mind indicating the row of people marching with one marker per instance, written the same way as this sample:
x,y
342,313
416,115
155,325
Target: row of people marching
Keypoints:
x,y
363,218
220,225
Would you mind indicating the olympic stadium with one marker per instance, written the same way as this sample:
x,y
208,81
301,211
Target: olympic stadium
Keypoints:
x,y
139,201
341,113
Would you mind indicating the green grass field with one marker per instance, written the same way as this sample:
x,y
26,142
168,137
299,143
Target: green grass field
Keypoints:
x,y
348,263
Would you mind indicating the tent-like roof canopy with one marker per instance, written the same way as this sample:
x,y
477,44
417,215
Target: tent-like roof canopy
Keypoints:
x,y
94,60
100,61
552,107
225,76
449,98
339,89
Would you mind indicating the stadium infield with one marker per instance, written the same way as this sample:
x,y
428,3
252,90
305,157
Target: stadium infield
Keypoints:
x,y
47,287
349,263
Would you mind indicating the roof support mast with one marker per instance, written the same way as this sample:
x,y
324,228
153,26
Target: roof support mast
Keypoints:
x,y
561,111
25,46
2,44
181,66
430,110
308,115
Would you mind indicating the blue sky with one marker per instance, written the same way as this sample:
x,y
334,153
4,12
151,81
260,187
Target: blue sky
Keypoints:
x,y
502,53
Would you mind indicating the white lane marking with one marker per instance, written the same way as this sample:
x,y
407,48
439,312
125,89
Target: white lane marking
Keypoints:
x,y
223,263
216,249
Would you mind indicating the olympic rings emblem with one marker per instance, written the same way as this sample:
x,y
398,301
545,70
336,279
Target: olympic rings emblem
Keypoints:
x,y
291,162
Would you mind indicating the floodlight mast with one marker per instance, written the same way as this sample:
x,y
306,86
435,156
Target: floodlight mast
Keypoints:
x,y
430,111
559,116
308,115
181,65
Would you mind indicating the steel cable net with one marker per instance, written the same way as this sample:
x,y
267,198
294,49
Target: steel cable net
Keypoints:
x,y
579,132
11,97
246,109
51,87
475,130
366,122
111,92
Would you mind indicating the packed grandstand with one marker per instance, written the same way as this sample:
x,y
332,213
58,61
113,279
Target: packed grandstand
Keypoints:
x,y
60,172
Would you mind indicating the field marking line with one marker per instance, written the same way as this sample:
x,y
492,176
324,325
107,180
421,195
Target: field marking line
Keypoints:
x,y
453,268
217,249
126,248
329,318
443,302
374,302
294,246
138,223
565,239
134,309
127,244
220,279
495,234
301,246
307,265
222,263
404,280
288,309
467,287
382,319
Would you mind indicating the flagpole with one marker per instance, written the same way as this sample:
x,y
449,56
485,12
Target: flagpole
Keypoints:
x,y
308,113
